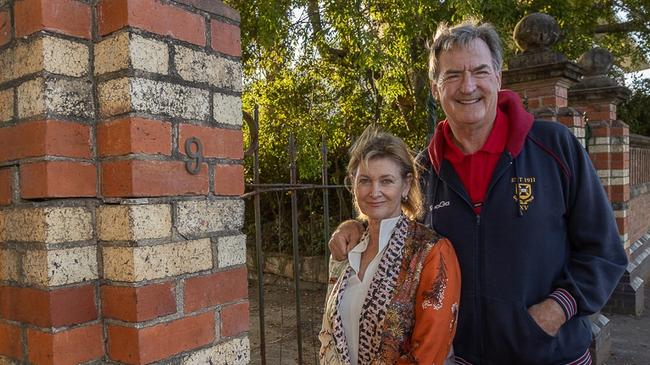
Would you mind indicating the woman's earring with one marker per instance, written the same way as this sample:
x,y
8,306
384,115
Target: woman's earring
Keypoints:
x,y
405,198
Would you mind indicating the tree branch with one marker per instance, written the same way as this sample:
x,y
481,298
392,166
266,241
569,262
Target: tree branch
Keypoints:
x,y
313,11
624,27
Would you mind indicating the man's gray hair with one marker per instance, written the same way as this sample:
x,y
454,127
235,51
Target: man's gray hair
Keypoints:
x,y
463,34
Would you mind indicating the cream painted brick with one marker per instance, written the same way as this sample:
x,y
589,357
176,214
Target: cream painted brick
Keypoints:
x,y
233,352
202,67
30,98
604,173
69,97
620,173
112,54
68,224
227,109
9,260
602,141
26,224
200,217
60,267
621,213
2,225
55,55
7,361
6,105
115,53
22,59
154,97
134,222
114,97
49,225
619,181
158,97
60,96
231,250
599,148
149,55
133,264
61,56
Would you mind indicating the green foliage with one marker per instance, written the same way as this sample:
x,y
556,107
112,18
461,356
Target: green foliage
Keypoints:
x,y
635,111
333,67
330,68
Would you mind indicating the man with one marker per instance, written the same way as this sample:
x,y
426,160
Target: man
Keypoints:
x,y
524,208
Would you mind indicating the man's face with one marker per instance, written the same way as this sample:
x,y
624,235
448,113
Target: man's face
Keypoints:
x,y
467,85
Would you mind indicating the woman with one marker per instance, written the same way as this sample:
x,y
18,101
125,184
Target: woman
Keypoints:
x,y
395,299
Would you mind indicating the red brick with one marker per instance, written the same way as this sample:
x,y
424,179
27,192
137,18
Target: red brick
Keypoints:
x,y
55,308
151,178
134,135
217,142
45,138
146,345
49,179
571,121
68,347
5,28
229,180
618,131
622,225
151,15
619,193
213,7
6,180
226,38
533,103
112,15
598,129
234,319
69,17
538,91
602,115
554,101
214,289
10,341
138,304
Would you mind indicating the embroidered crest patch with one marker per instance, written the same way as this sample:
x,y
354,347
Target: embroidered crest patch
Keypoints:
x,y
524,191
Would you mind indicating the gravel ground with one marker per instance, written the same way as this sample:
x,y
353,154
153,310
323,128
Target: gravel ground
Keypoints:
x,y
630,335
280,321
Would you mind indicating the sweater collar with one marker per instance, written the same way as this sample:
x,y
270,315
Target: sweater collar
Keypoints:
x,y
518,122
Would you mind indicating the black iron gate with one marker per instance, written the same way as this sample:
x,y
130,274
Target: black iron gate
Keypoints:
x,y
255,191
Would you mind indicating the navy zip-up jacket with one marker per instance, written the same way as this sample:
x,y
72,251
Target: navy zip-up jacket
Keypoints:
x,y
546,229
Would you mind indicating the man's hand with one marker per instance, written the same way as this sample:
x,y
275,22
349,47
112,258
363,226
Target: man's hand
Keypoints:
x,y
346,236
549,316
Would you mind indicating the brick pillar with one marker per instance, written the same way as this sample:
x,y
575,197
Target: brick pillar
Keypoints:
x,y
541,76
609,142
49,270
544,78
118,244
609,148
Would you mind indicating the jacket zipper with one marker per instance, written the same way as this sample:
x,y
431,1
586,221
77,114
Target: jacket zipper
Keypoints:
x,y
480,265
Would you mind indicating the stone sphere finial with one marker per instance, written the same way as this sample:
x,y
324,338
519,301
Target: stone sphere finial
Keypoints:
x,y
536,31
597,61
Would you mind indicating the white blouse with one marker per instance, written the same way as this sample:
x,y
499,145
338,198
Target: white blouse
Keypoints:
x,y
356,291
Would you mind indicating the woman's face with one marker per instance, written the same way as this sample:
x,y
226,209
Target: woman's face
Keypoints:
x,y
379,188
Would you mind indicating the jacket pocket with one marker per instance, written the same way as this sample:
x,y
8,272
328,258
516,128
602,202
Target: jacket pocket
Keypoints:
x,y
513,336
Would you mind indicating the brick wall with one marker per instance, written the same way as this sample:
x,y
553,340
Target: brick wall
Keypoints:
x,y
110,249
640,186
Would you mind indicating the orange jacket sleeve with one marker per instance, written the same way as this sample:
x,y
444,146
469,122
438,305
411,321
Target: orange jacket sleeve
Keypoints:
x,y
436,306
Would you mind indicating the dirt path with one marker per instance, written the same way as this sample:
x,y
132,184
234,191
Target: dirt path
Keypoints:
x,y
630,335
280,321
